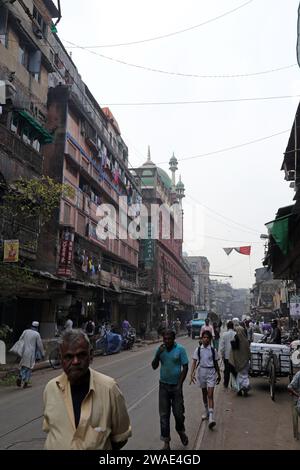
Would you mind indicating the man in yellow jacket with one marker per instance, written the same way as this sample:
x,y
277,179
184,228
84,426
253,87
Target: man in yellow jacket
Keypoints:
x,y
83,409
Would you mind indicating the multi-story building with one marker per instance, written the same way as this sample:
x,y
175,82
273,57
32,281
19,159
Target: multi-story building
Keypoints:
x,y
221,298
240,304
51,124
269,296
163,270
25,64
199,266
89,155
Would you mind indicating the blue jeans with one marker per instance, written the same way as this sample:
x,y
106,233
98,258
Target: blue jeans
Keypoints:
x,y
170,396
25,374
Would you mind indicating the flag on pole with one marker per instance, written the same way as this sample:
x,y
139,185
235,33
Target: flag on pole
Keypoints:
x,y
243,250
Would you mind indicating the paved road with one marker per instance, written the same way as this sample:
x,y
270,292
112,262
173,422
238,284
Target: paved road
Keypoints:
x,y
242,423
21,410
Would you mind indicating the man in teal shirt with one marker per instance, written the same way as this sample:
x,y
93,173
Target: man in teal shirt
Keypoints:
x,y
173,371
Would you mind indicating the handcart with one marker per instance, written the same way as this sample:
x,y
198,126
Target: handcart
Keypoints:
x,y
271,361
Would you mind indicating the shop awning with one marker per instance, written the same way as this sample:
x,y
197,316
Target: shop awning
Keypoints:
x,y
136,291
279,230
46,137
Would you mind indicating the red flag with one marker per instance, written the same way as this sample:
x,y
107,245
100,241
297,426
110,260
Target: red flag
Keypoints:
x,y
244,250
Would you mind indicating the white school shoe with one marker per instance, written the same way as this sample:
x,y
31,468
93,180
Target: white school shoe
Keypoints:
x,y
211,421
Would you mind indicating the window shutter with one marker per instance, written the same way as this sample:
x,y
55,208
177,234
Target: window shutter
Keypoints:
x,y
35,60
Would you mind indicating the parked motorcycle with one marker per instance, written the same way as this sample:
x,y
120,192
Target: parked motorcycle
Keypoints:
x,y
129,339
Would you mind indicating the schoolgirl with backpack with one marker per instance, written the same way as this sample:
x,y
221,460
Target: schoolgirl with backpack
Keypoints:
x,y
205,372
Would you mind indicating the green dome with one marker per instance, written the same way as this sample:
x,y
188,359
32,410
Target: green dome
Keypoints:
x,y
180,185
165,178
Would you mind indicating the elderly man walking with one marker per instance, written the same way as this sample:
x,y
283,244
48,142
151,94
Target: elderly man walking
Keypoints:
x,y
33,348
83,409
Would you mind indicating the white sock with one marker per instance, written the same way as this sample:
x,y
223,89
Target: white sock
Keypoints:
x,y
211,411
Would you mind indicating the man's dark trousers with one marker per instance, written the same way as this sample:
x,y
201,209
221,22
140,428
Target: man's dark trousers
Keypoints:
x,y
170,396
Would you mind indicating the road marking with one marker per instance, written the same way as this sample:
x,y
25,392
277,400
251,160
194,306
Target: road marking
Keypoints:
x,y
134,405
203,427
122,377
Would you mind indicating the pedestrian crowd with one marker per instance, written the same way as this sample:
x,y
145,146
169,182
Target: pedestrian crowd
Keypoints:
x,y
85,410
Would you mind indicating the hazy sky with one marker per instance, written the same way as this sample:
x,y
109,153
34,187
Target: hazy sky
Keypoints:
x,y
229,195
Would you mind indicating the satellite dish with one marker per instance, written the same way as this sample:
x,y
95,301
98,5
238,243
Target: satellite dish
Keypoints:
x,y
296,358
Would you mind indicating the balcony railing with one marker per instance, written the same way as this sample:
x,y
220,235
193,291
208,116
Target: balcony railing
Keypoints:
x,y
13,145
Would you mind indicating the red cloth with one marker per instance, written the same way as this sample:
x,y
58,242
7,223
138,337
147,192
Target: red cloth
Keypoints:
x,y
244,250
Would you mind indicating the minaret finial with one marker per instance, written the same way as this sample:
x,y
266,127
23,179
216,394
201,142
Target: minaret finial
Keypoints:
x,y
149,154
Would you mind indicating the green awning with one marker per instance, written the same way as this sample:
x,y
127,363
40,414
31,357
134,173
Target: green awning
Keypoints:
x,y
279,230
45,136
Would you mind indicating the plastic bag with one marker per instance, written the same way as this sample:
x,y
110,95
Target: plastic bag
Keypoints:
x,y
18,348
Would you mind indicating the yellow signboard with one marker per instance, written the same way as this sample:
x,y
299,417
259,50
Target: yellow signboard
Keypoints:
x,y
11,251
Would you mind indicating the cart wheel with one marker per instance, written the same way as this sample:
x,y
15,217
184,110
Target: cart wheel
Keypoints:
x,y
272,380
54,359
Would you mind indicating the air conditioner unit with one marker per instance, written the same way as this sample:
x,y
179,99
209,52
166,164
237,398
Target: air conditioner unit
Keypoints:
x,y
37,31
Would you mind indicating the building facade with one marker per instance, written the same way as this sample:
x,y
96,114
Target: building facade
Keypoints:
x,y
25,67
163,270
52,125
199,266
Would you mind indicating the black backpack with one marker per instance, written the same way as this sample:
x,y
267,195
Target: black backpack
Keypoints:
x,y
89,327
213,351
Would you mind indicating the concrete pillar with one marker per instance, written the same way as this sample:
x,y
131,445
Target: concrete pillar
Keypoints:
x,y
48,320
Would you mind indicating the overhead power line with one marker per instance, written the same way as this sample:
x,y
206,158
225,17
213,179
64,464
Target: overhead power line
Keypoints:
x,y
229,100
248,229
179,74
164,36
227,149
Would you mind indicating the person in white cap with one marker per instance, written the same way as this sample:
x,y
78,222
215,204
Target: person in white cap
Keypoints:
x,y
33,348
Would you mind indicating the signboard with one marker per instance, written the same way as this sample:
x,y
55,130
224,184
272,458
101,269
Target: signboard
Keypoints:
x,y
11,251
295,307
148,248
66,254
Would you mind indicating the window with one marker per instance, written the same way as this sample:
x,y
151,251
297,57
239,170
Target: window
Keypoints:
x,y
14,124
26,135
81,228
36,145
93,233
23,56
31,59
43,27
67,214
3,26
71,170
36,76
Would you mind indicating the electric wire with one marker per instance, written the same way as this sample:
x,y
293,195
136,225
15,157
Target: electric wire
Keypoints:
x,y
174,33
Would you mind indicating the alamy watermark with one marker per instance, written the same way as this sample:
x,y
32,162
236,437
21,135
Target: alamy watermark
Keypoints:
x,y
141,222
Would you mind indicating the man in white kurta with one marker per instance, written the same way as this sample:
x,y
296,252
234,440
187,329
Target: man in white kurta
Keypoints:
x,y
32,346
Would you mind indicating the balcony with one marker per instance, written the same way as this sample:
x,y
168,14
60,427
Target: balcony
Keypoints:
x,y
12,145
